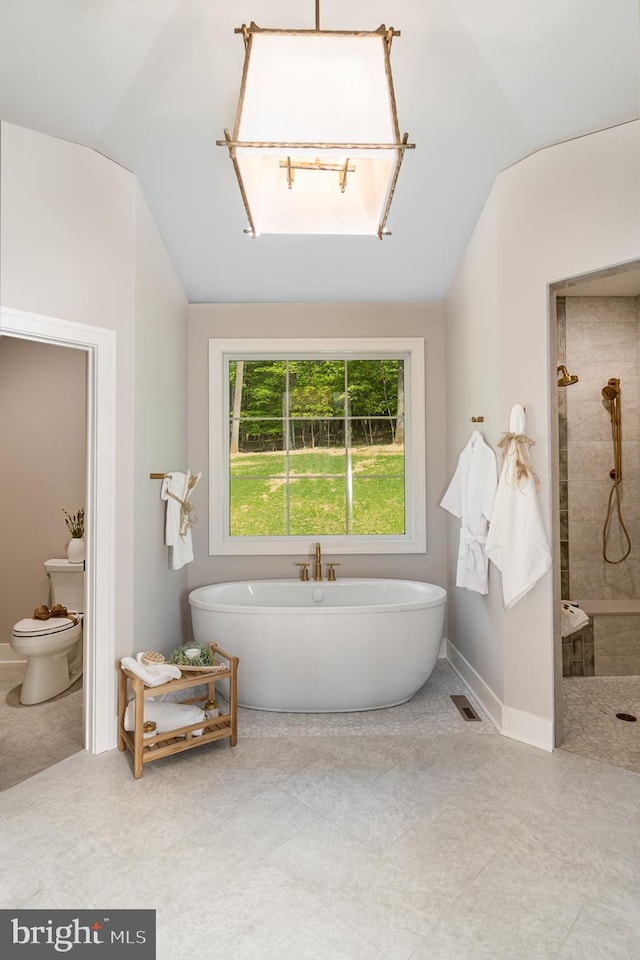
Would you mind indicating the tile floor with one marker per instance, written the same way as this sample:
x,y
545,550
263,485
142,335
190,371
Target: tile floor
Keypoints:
x,y
591,727
34,737
437,841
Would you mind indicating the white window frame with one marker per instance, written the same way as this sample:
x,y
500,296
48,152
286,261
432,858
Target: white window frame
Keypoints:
x,y
409,349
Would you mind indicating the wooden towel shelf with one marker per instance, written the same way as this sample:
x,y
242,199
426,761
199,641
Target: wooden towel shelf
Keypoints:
x,y
147,749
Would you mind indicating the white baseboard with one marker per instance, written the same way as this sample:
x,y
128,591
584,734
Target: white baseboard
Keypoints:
x,y
513,723
476,684
8,655
528,728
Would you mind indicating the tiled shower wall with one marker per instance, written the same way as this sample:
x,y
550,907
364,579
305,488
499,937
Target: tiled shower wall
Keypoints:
x,y
601,340
577,649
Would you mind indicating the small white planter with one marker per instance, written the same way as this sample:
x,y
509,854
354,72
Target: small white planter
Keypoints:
x,y
76,550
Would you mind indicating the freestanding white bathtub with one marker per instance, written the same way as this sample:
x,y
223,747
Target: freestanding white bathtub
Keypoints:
x,y
353,644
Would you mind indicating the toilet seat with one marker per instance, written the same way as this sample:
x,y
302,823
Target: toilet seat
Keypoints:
x,y
43,628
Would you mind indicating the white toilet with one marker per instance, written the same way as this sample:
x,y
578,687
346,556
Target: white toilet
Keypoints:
x,y
53,648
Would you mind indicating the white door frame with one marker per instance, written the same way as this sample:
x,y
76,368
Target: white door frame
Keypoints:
x,y
99,618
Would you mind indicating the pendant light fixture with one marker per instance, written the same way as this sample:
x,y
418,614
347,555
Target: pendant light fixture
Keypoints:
x,y
316,146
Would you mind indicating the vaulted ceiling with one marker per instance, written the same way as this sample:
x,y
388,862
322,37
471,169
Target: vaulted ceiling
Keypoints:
x,y
479,85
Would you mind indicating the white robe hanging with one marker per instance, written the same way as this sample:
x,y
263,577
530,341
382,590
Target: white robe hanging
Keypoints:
x,y
470,496
517,541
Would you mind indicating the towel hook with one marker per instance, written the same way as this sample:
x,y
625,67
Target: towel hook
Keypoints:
x,y
477,419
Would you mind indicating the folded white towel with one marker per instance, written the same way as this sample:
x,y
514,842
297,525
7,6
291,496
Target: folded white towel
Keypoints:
x,y
152,675
573,618
167,715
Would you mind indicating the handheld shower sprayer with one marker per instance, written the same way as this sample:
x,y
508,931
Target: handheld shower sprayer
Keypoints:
x,y
612,390
611,396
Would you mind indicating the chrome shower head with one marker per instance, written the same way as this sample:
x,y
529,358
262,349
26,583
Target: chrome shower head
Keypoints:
x,y
566,378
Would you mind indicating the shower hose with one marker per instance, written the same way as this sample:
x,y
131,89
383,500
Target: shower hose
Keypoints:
x,y
607,523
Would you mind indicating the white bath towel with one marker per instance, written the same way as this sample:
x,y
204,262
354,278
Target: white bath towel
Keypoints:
x,y
517,541
176,490
167,716
572,617
152,675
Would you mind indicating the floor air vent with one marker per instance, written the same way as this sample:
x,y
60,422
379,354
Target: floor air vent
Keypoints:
x,y
466,710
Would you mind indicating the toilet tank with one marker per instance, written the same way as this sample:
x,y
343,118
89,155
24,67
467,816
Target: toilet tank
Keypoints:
x,y
67,583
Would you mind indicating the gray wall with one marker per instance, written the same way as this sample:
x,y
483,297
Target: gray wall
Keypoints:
x,y
326,320
43,443
561,213
160,432
77,243
67,219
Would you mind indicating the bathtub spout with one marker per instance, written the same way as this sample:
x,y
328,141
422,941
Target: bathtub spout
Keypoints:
x,y
317,565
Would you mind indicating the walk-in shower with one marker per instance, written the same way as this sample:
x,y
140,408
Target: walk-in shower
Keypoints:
x,y
599,472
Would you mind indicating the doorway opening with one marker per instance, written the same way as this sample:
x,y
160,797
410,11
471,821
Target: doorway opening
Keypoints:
x,y
596,329
99,344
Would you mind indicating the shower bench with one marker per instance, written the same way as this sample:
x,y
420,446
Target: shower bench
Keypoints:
x,y
146,749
